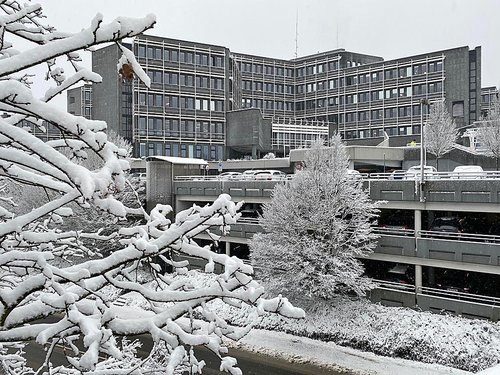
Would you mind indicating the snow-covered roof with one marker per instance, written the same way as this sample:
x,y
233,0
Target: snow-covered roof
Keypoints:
x,y
177,160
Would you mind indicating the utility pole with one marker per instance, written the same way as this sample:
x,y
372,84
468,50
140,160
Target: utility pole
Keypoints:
x,y
297,34
422,149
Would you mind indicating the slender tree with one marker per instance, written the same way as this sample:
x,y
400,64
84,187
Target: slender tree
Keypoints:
x,y
45,301
488,134
315,228
440,132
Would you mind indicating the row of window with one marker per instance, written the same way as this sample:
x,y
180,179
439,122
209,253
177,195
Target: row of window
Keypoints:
x,y
183,102
173,127
185,79
379,114
379,132
259,68
363,97
278,88
317,68
488,98
310,70
175,55
331,84
267,104
185,150
394,73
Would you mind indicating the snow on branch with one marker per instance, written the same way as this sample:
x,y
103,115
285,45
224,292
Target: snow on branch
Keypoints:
x,y
72,245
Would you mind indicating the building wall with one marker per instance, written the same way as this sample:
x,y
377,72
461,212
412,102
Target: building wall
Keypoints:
x,y
248,133
194,85
112,97
183,112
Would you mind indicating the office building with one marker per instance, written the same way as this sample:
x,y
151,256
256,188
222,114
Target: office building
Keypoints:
x,y
79,101
208,102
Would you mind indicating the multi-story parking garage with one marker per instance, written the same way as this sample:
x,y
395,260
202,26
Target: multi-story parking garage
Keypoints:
x,y
417,264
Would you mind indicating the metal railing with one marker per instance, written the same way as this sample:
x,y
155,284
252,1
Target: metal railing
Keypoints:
x,y
459,236
233,178
404,175
394,231
450,292
399,175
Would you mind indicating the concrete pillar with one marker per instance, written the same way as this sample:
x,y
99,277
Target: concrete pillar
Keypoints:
x,y
228,248
418,221
418,278
254,152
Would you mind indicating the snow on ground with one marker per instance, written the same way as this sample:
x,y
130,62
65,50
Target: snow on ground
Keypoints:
x,y
370,338
491,371
328,354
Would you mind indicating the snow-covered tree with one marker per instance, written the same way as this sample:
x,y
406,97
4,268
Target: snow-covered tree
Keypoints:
x,y
440,132
315,227
488,134
44,300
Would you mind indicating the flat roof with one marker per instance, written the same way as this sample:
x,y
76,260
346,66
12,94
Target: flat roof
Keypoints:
x,y
177,160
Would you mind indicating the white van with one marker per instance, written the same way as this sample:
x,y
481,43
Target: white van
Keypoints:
x,y
468,172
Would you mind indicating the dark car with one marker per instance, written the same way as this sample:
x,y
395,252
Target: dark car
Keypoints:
x,y
449,224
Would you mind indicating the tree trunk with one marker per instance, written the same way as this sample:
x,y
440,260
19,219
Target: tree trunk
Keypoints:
x,y
437,163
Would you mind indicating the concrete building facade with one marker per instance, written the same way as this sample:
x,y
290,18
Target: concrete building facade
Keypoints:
x,y
196,104
79,101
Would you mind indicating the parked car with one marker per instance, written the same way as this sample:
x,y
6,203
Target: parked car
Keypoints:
x,y
250,174
352,173
229,176
413,173
450,224
399,220
468,172
270,175
397,175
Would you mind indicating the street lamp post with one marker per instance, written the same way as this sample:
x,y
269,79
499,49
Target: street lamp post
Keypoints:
x,y
422,148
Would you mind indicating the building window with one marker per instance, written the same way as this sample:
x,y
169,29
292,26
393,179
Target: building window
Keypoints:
x,y
71,99
391,73
404,72
363,116
404,111
457,109
419,89
419,69
390,112
377,95
435,66
141,51
435,87
376,114
351,80
391,93
377,76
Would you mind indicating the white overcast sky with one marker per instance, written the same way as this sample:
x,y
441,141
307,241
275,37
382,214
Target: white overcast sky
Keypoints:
x,y
386,28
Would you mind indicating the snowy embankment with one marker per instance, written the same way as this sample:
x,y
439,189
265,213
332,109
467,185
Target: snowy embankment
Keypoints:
x,y
332,356
369,338
466,344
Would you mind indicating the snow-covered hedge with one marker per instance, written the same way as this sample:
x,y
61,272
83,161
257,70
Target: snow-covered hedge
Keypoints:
x,y
453,341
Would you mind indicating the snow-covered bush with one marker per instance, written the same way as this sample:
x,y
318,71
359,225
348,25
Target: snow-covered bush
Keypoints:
x,y
269,155
447,340
315,227
45,301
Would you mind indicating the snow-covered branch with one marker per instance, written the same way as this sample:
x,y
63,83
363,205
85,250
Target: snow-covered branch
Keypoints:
x,y
69,246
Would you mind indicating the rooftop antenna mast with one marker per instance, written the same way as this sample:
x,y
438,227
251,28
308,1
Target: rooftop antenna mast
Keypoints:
x,y
297,34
